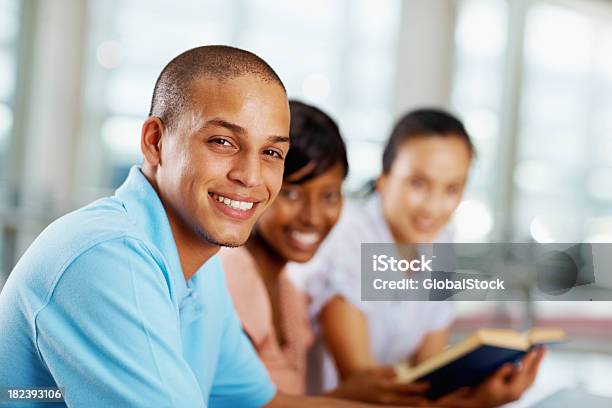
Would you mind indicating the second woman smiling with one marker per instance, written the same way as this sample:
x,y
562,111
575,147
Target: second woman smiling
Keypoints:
x,y
273,312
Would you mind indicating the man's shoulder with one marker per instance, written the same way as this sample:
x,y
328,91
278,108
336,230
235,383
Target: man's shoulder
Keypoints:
x,y
78,231
95,236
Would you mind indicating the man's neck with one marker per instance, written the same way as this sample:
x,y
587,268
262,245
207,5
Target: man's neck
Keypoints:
x,y
192,249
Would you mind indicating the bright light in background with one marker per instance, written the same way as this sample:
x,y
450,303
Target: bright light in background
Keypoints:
x,y
377,21
316,87
109,54
128,95
537,177
7,73
478,17
559,39
602,122
6,123
599,184
599,229
604,54
374,125
122,137
482,123
363,152
355,43
540,231
472,221
478,74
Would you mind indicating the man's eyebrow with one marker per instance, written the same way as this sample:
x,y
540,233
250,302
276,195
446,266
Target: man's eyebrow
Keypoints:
x,y
225,124
242,131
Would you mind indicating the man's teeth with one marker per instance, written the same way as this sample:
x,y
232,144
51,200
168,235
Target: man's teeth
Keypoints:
x,y
237,205
306,238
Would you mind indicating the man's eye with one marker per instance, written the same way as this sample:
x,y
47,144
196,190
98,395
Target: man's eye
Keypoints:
x,y
273,153
221,142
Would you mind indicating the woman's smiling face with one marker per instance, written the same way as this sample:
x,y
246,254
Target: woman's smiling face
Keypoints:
x,y
424,186
303,214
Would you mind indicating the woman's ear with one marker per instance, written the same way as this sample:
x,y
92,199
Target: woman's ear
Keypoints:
x,y
151,140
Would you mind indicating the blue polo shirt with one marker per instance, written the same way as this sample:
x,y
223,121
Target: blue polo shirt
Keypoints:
x,y
99,305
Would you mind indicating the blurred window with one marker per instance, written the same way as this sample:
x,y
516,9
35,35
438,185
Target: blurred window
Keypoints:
x,y
345,65
563,176
9,26
480,46
562,179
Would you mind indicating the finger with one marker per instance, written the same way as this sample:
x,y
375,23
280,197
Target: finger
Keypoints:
x,y
521,374
540,352
531,362
525,362
535,366
526,377
384,372
505,371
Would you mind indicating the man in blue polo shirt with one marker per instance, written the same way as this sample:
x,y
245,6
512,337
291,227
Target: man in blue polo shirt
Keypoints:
x,y
106,303
122,303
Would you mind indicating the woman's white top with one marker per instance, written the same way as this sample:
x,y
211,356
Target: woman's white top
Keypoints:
x,y
395,328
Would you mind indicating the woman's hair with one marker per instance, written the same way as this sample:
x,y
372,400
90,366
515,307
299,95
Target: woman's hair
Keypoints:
x,y
423,123
315,142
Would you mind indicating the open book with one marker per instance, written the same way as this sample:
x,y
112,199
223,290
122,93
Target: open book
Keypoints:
x,y
470,361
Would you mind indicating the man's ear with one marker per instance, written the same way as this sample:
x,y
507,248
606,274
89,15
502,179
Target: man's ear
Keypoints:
x,y
151,140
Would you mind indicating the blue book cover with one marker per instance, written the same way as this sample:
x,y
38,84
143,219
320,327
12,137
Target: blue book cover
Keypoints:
x,y
469,370
470,361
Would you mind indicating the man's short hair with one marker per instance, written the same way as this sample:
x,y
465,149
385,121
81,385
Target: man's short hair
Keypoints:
x,y
173,88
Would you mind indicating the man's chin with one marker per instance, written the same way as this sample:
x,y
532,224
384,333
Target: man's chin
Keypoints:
x,y
231,244
226,242
222,241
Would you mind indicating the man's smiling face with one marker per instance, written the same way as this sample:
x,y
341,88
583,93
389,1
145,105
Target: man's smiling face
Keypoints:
x,y
223,164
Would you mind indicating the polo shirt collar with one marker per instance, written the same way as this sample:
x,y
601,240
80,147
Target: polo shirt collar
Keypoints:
x,y
146,210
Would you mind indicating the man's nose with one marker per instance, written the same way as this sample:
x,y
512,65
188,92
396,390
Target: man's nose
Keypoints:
x,y
246,170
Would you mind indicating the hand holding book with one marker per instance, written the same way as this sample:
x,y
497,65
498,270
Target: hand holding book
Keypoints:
x,y
505,385
472,360
488,368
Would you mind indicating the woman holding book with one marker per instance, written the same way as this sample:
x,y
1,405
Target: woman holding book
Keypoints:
x,y
274,313
425,168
